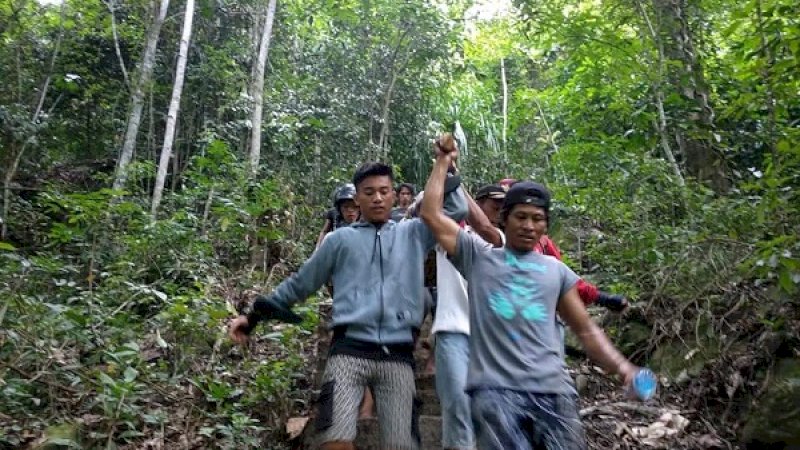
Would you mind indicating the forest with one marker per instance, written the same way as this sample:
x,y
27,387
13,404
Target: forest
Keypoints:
x,y
164,161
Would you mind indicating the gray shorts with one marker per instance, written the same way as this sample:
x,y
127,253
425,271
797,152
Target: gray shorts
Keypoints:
x,y
506,419
392,385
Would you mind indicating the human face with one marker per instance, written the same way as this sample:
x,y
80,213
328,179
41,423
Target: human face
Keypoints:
x,y
491,207
375,196
525,225
349,210
404,197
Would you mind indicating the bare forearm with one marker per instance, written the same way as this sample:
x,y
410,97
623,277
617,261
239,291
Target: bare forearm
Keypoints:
x,y
325,230
602,351
481,224
434,191
444,229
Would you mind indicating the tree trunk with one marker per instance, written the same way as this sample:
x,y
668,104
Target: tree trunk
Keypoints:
x,y
11,171
661,126
7,179
701,159
174,108
505,103
383,138
551,137
766,75
395,69
257,90
110,4
661,123
137,97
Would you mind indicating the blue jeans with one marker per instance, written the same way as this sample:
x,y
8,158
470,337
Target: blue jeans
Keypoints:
x,y
517,420
452,360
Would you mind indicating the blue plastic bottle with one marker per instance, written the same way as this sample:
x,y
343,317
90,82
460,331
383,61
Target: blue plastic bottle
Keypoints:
x,y
645,384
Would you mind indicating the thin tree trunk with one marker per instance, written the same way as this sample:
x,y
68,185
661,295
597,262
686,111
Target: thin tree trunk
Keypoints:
x,y
317,164
550,137
16,158
176,159
394,71
257,90
110,4
137,97
505,101
174,108
9,177
766,75
685,76
206,211
664,137
151,138
255,40
661,124
383,138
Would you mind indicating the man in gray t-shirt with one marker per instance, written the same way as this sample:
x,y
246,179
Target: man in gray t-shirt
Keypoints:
x,y
514,296
522,395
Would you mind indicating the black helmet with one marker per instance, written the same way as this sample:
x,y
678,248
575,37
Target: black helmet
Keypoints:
x,y
344,192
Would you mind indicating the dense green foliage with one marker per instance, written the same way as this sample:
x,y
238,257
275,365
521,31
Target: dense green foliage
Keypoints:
x,y
667,130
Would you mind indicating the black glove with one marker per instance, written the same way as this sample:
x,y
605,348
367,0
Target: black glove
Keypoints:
x,y
266,308
613,302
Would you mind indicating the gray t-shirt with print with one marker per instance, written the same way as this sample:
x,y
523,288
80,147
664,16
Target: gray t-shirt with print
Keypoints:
x,y
514,343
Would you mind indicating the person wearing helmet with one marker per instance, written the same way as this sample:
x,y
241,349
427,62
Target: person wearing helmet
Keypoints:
x,y
344,211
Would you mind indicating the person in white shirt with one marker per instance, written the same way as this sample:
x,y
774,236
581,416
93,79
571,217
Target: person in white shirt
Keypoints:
x,y
451,334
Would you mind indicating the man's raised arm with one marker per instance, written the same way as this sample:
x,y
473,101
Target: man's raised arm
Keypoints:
x,y
444,229
481,224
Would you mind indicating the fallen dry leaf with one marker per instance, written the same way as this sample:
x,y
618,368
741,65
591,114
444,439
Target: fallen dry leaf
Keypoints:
x,y
295,426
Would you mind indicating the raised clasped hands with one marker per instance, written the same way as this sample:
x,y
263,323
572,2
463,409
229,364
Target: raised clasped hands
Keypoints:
x,y
445,146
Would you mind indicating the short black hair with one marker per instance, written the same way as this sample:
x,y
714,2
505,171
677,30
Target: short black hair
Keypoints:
x,y
408,186
372,169
525,193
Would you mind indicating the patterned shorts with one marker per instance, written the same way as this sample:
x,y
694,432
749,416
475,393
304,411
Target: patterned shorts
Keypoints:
x,y
393,386
506,419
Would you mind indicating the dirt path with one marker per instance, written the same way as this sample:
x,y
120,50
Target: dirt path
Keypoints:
x,y
611,419
614,421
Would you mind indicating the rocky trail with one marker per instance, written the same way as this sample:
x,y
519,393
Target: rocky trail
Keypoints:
x,y
611,419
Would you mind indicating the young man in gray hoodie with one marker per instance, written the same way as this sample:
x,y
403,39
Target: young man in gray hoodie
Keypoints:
x,y
376,268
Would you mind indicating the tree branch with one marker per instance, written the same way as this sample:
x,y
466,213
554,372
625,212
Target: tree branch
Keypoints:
x,y
110,5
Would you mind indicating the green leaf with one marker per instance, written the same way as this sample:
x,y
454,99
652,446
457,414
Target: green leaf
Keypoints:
x,y
105,379
66,442
133,346
160,341
786,281
7,246
130,374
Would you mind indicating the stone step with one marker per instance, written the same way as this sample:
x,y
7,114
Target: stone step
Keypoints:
x,y
430,403
430,430
426,382
368,437
430,422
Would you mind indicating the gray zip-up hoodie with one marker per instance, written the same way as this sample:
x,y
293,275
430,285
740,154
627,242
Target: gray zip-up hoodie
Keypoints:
x,y
377,275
